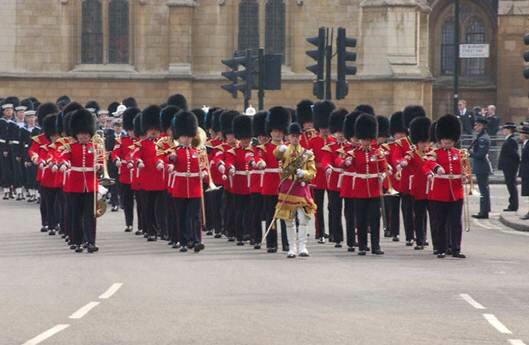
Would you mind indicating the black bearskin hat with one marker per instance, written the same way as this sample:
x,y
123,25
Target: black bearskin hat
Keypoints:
x,y
433,136
167,116
67,124
184,124
63,99
322,111
35,102
366,127
208,122
128,118
420,129
383,126
178,100
112,108
293,115
138,130
365,108
45,109
12,100
150,118
448,127
27,103
396,124
130,102
215,121
70,108
349,124
48,125
226,121
259,124
242,126
92,105
304,112
201,117
278,118
294,128
83,122
336,120
411,112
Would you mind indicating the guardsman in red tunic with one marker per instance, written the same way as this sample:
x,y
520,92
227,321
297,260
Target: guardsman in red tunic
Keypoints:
x,y
333,173
446,172
36,152
393,152
256,179
305,119
322,111
135,174
276,126
345,180
420,137
368,164
186,188
83,159
409,113
214,197
238,163
120,156
228,214
166,142
153,180
383,135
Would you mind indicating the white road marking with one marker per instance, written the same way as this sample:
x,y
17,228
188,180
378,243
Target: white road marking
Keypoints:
x,y
471,301
45,335
84,310
516,342
111,291
494,322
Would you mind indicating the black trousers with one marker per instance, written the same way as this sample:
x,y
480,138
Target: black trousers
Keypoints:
x,y
335,216
319,221
30,177
510,182
214,210
448,226
187,217
393,214
139,196
50,199
43,208
243,216
407,216
433,233
269,209
420,207
368,216
18,172
127,201
484,199
68,214
153,201
114,194
84,221
228,214
350,221
256,207
6,167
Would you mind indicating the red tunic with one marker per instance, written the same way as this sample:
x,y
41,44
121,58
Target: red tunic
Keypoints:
x,y
239,160
256,175
449,186
214,146
36,150
185,180
317,143
47,158
392,152
398,156
152,179
419,179
80,161
272,172
218,160
121,152
135,174
335,151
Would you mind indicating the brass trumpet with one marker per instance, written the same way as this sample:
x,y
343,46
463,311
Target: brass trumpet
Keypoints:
x,y
100,205
199,143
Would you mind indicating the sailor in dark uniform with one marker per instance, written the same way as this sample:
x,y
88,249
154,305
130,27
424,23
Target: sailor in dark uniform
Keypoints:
x,y
30,170
479,152
8,133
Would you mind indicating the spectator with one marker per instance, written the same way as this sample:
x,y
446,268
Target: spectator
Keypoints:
x,y
477,112
493,119
484,112
465,117
509,162
524,164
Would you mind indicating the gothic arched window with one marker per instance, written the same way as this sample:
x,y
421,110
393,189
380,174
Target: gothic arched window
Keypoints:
x,y
474,33
248,24
447,48
275,27
92,32
118,31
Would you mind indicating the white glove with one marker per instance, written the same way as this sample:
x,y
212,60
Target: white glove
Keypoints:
x,y
261,165
159,166
348,161
54,168
282,148
300,173
231,172
130,165
328,171
118,163
403,164
440,171
172,157
141,165
170,168
63,168
222,169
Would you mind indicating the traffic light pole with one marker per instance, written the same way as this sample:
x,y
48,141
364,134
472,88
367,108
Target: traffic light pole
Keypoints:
x,y
261,86
328,60
456,57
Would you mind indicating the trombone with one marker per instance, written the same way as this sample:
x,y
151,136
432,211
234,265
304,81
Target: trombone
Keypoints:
x,y
466,171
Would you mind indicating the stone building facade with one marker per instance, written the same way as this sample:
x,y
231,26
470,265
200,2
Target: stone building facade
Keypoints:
x,y
110,49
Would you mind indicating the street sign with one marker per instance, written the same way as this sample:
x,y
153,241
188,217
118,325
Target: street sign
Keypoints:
x,y
471,51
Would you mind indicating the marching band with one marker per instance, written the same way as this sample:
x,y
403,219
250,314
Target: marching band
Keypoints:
x,y
253,178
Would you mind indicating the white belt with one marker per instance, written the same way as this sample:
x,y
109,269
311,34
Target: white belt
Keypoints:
x,y
14,142
336,170
273,170
82,169
345,173
241,173
444,177
2,141
175,174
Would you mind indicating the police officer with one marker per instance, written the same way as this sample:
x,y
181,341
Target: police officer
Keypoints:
x,y
479,151
524,164
509,162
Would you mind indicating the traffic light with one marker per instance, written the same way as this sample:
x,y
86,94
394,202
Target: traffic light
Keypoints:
x,y
344,56
526,56
246,75
318,68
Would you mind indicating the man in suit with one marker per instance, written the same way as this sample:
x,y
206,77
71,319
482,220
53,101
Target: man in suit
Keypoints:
x,y
494,120
479,151
524,163
466,117
509,162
